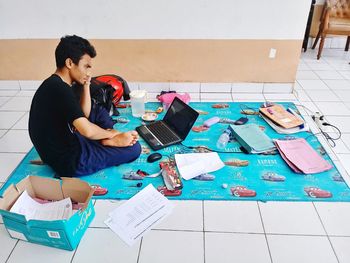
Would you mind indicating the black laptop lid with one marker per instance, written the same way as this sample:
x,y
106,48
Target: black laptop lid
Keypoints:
x,y
180,118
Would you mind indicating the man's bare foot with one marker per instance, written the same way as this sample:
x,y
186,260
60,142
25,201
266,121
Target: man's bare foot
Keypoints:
x,y
123,139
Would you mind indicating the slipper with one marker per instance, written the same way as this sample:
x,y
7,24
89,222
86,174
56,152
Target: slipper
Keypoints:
x,y
98,190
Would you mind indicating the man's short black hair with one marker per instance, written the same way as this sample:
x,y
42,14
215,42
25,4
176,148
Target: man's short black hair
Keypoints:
x,y
73,47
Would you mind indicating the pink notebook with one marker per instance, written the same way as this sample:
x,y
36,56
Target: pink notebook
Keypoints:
x,y
301,157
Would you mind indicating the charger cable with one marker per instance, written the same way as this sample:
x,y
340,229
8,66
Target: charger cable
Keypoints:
x,y
321,123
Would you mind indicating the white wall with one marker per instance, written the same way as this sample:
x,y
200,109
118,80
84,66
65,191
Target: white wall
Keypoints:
x,y
154,19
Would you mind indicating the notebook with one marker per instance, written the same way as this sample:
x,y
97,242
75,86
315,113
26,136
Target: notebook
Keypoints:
x,y
282,117
173,129
252,139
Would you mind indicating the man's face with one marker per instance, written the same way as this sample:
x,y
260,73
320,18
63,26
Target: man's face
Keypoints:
x,y
81,73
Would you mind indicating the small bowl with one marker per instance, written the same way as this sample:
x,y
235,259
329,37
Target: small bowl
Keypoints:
x,y
149,116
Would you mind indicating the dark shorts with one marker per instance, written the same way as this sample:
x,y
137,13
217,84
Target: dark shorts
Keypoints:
x,y
95,156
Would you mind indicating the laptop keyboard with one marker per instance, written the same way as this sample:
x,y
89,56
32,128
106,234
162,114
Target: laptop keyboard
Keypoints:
x,y
162,132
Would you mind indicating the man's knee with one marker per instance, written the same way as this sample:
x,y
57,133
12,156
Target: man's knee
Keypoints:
x,y
100,116
135,151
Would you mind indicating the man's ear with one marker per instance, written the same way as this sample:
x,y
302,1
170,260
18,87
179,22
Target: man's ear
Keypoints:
x,y
69,63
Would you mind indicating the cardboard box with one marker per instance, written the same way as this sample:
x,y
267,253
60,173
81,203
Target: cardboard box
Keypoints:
x,y
64,234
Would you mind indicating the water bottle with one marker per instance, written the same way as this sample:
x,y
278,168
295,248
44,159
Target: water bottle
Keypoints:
x,y
223,139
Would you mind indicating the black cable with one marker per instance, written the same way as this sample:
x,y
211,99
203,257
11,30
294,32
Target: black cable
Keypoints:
x,y
331,140
335,127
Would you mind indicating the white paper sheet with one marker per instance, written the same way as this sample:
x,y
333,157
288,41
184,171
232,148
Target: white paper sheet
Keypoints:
x,y
31,209
134,218
191,165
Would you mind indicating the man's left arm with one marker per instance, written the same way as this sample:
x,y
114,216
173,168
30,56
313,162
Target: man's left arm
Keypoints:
x,y
85,99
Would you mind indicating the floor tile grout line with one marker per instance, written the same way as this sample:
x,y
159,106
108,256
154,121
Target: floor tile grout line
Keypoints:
x,y
209,231
203,226
75,252
7,130
228,232
6,101
26,110
346,236
18,120
325,230
8,177
333,67
12,251
296,235
25,153
265,235
139,250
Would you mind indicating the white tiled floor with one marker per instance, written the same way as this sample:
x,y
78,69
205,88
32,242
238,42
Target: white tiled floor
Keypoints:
x,y
210,231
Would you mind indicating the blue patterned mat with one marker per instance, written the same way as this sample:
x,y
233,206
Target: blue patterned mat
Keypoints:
x,y
266,178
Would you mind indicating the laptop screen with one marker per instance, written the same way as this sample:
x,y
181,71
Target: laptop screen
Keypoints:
x,y
180,118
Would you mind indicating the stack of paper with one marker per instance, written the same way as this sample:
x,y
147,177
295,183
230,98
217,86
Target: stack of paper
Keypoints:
x,y
139,214
32,210
301,157
252,139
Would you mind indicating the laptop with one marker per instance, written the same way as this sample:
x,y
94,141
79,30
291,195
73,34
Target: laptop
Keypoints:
x,y
173,129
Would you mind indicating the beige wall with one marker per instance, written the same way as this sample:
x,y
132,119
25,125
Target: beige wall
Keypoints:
x,y
162,60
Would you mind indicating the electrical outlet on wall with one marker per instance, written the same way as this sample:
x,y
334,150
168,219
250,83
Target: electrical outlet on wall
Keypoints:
x,y
272,53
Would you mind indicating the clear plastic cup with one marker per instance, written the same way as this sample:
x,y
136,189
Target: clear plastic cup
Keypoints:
x,y
138,100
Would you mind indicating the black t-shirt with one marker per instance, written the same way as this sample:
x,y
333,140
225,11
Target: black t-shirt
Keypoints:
x,y
53,110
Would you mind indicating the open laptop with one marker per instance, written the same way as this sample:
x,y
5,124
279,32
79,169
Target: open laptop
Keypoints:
x,y
173,129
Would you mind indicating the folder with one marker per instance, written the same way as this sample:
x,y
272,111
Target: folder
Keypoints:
x,y
281,130
301,157
252,139
280,116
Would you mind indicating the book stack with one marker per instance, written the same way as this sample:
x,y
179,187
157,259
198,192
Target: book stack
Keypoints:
x,y
301,157
252,139
283,121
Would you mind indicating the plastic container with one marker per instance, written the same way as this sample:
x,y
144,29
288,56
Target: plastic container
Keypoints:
x,y
138,100
223,139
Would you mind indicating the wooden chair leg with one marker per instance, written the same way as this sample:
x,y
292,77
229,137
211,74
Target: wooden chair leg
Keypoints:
x,y
316,40
347,44
321,47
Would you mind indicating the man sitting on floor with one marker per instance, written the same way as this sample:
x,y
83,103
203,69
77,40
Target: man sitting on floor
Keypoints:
x,y
74,136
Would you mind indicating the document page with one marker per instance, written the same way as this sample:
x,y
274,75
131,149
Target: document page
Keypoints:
x,y
134,218
31,209
193,164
